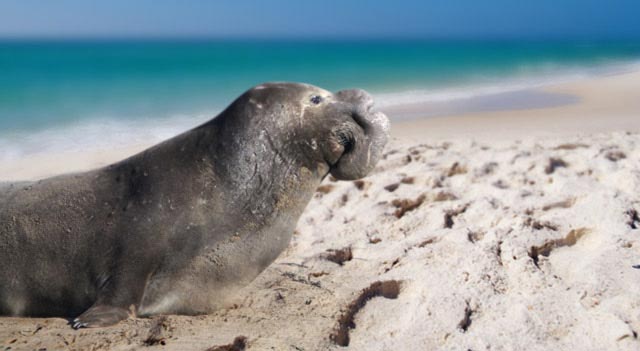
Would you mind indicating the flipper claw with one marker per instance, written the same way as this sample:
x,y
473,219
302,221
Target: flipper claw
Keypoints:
x,y
100,316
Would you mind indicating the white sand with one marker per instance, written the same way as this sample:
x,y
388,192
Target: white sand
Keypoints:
x,y
501,252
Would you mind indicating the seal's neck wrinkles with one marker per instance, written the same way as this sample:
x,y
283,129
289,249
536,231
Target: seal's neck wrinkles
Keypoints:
x,y
265,168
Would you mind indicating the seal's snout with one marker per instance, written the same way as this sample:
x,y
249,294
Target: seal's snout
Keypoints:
x,y
358,99
367,147
361,105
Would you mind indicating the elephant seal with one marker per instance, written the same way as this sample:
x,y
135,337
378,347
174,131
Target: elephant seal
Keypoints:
x,y
179,226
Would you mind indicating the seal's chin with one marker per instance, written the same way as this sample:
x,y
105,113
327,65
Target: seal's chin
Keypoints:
x,y
323,169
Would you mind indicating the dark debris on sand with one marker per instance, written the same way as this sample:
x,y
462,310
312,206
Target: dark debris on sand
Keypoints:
x,y
238,344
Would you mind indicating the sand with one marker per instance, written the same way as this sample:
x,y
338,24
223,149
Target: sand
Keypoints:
x,y
500,230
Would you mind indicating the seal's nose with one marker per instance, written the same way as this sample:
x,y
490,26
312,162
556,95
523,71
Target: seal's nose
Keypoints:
x,y
359,103
359,99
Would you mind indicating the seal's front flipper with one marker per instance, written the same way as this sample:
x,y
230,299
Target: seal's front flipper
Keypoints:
x,y
100,316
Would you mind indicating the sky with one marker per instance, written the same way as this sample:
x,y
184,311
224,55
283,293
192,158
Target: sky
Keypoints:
x,y
590,19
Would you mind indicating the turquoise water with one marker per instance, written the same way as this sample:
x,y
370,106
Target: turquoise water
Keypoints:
x,y
77,88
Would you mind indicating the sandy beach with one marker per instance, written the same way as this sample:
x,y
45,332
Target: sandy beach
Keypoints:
x,y
505,229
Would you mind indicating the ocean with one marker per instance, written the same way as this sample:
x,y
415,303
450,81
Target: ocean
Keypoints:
x,y
71,95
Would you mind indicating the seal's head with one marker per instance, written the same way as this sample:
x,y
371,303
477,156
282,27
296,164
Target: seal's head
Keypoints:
x,y
340,132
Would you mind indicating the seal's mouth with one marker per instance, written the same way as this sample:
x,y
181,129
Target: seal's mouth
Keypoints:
x,y
346,139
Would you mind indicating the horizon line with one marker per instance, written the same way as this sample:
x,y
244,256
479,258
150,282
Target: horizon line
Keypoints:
x,y
270,37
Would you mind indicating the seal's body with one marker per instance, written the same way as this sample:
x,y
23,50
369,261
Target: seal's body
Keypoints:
x,y
180,226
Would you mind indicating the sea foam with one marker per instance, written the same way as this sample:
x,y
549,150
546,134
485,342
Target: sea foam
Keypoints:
x,y
115,132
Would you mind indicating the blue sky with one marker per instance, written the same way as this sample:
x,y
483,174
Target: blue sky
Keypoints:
x,y
321,18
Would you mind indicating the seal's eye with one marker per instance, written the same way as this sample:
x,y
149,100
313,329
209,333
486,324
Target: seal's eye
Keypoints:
x,y
316,99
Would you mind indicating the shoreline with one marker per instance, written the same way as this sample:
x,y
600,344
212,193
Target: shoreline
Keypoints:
x,y
601,103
